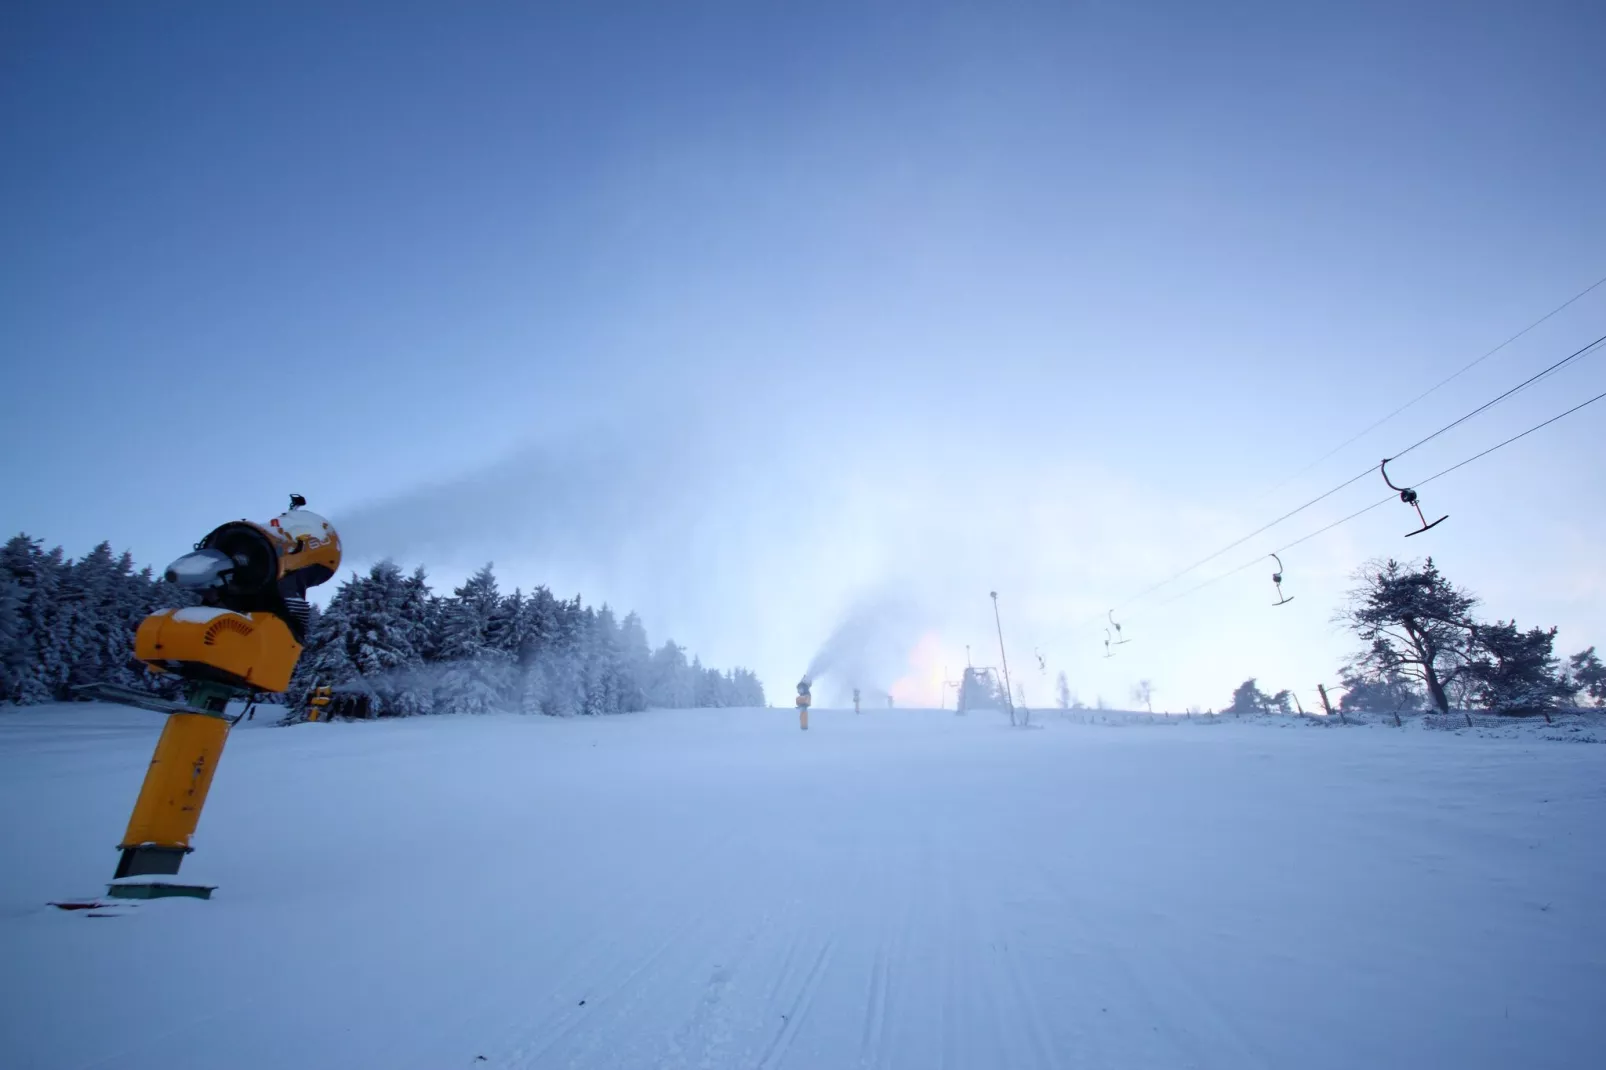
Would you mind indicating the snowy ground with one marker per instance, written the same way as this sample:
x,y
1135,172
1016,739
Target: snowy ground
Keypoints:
x,y
902,889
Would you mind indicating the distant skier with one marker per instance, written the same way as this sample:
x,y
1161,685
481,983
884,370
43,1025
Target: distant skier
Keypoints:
x,y
855,700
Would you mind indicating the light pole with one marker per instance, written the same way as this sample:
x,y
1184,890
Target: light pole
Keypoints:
x,y
1009,694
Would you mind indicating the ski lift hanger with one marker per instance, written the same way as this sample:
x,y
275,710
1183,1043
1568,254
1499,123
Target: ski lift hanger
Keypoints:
x,y
1107,644
1409,497
1277,578
1119,640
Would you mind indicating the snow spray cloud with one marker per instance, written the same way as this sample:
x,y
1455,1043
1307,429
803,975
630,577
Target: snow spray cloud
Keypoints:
x,y
868,648
577,495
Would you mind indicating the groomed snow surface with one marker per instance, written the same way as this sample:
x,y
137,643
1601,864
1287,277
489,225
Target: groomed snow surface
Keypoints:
x,y
901,889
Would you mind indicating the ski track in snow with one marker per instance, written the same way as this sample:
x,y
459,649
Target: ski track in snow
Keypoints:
x,y
905,890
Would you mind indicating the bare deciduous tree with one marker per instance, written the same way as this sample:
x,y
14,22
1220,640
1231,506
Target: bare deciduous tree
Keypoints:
x,y
1144,692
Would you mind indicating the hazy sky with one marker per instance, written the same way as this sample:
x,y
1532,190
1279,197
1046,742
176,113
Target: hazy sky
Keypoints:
x,y
743,314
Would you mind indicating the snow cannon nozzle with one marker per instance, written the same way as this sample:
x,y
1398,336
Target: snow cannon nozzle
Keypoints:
x,y
297,501
201,570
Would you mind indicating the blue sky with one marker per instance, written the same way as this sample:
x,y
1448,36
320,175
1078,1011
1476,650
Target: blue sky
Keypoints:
x,y
737,314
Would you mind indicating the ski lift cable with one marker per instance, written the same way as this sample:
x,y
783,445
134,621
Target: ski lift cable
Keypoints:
x,y
1532,379
1513,438
1239,542
1382,501
1447,380
1536,377
1246,566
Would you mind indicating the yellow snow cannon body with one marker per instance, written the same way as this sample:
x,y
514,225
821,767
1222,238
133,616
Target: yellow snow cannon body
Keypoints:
x,y
244,638
253,580
249,651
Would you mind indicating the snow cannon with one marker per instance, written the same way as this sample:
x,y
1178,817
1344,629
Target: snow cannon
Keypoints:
x,y
804,699
243,639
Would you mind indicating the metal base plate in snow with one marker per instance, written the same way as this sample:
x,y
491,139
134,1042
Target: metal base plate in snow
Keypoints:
x,y
160,890
95,908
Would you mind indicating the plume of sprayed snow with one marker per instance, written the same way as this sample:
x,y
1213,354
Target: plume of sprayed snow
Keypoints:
x,y
868,649
420,679
558,495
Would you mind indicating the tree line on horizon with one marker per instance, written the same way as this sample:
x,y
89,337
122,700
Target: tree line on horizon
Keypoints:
x,y
384,635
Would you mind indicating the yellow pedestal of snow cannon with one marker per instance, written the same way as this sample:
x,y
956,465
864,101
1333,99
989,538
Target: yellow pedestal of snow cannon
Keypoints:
x,y
170,800
803,712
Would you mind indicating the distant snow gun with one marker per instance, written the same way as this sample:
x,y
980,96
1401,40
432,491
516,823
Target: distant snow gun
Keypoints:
x,y
244,638
804,700
318,703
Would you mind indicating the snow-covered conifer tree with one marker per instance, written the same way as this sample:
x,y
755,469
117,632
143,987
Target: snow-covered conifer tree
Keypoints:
x,y
475,676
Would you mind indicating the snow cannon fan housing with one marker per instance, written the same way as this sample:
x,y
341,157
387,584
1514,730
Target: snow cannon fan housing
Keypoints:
x,y
252,580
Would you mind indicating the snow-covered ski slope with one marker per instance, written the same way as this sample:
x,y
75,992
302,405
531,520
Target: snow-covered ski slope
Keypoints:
x,y
901,889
